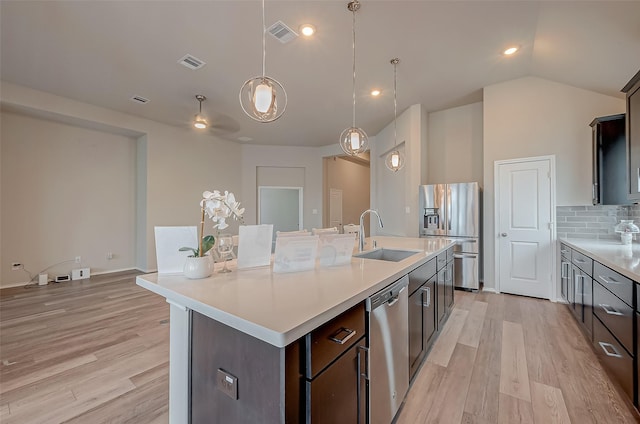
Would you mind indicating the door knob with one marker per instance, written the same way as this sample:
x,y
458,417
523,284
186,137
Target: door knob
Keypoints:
x,y
503,234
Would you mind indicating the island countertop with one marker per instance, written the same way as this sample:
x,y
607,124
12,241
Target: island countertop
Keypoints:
x,y
624,259
281,308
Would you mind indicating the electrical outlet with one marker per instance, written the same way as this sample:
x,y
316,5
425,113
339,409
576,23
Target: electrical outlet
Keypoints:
x,y
16,266
227,383
109,255
78,259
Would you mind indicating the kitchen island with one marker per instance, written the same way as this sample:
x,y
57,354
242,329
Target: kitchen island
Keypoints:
x,y
253,319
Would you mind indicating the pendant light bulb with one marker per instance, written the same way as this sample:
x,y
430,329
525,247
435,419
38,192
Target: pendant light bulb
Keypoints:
x,y
354,140
262,98
200,122
395,159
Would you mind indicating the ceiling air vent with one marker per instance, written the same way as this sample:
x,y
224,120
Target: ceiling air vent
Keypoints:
x,y
281,32
139,99
191,62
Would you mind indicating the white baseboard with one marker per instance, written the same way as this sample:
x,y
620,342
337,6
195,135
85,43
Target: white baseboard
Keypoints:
x,y
111,271
490,290
20,284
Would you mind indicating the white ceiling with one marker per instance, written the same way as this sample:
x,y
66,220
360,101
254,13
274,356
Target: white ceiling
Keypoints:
x,y
104,52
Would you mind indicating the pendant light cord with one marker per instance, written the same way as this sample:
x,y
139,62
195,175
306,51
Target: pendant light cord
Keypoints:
x,y
264,42
395,103
354,67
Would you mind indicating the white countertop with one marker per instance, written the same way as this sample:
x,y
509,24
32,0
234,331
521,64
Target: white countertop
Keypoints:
x,y
281,308
624,259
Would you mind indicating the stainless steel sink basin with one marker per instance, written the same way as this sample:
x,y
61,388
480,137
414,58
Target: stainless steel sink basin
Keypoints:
x,y
391,255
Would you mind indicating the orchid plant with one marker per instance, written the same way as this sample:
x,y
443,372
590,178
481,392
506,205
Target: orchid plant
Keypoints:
x,y
218,207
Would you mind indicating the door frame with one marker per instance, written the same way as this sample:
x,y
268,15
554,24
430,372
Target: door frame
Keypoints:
x,y
553,295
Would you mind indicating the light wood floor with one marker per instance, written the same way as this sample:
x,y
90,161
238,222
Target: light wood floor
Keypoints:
x,y
96,351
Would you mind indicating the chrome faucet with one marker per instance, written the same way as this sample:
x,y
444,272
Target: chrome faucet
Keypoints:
x,y
361,232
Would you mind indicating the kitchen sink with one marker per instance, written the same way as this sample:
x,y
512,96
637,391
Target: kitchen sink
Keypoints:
x,y
391,255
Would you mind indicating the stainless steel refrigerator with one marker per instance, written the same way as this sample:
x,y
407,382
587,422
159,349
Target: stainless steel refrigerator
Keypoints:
x,y
453,210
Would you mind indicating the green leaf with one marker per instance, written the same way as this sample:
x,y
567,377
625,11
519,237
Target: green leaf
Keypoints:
x,y
186,249
207,243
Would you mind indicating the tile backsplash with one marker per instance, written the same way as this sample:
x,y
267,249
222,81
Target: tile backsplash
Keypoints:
x,y
593,222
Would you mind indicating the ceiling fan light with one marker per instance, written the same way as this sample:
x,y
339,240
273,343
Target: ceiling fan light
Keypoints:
x,y
199,121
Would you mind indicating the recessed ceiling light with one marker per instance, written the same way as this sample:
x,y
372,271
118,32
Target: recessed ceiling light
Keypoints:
x,y
307,30
375,93
510,51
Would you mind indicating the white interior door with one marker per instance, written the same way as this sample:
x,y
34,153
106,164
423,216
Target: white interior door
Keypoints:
x,y
335,208
524,200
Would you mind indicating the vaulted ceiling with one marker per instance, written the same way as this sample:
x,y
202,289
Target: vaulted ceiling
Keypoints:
x,y
105,52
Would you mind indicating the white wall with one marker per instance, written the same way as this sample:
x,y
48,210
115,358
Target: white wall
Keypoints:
x,y
67,192
455,145
395,195
308,158
534,117
180,162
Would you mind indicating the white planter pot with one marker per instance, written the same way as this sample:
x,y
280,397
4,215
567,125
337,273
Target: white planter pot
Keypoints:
x,y
198,267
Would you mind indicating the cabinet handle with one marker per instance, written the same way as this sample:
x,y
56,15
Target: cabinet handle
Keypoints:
x,y
564,251
464,256
581,261
360,376
604,347
342,335
562,273
366,372
638,173
611,280
428,291
610,310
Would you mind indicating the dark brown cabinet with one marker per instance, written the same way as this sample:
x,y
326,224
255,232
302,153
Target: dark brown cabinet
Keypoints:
x,y
609,158
632,90
582,290
422,313
565,273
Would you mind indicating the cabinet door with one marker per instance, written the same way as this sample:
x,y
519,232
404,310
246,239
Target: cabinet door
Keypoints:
x,y
337,395
633,141
565,271
578,279
429,311
587,306
449,285
440,297
416,330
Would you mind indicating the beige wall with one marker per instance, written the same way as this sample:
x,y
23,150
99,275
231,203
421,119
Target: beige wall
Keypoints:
x,y
67,192
307,158
535,117
174,165
354,180
395,195
455,145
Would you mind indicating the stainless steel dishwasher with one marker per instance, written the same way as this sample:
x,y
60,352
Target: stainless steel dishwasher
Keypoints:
x,y
388,330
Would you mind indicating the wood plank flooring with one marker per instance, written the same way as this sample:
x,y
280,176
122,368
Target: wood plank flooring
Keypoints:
x,y
97,351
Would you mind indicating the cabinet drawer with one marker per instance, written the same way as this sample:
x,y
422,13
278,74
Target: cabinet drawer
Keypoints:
x,y
583,262
441,260
327,342
420,275
450,254
618,284
565,251
616,315
616,360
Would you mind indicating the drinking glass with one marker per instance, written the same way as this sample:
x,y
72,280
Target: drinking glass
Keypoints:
x,y
225,246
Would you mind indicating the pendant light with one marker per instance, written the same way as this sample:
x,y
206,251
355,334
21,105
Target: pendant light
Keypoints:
x,y
262,98
395,158
200,121
354,140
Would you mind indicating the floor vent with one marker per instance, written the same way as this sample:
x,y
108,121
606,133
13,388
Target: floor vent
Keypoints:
x,y
139,99
282,32
191,62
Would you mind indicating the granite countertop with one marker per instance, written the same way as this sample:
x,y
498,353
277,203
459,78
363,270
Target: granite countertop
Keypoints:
x,y
281,308
624,259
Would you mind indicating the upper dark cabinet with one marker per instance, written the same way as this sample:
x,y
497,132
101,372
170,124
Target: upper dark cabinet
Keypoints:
x,y
609,159
632,89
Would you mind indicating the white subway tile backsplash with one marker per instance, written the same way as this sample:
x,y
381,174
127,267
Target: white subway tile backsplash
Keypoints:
x,y
593,222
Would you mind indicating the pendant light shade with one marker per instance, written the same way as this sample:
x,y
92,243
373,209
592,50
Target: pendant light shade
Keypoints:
x,y
262,98
395,159
354,140
200,122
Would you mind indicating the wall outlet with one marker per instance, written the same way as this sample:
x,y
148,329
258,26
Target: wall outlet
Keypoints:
x,y
16,266
80,273
109,256
227,383
78,259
